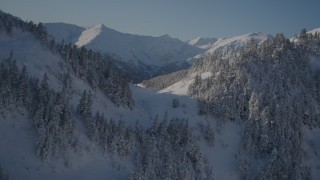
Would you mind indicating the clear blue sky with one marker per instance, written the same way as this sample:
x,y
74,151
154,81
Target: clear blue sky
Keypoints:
x,y
183,19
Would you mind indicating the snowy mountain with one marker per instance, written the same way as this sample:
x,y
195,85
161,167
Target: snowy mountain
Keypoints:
x,y
140,57
143,57
203,43
62,31
231,43
158,51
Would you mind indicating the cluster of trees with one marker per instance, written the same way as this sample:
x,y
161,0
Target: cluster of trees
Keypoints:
x,y
52,123
85,64
308,41
9,22
97,70
113,137
272,91
52,120
169,150
13,85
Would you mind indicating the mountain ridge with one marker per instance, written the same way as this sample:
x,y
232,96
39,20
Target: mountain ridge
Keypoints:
x,y
202,42
158,51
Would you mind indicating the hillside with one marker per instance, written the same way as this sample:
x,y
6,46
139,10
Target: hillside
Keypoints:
x,y
61,118
272,90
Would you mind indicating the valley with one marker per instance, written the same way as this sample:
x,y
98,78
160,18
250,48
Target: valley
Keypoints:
x,y
94,103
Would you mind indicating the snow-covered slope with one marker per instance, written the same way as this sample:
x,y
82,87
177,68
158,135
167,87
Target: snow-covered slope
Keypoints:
x,y
230,43
203,43
89,35
27,50
158,51
223,44
62,31
238,41
18,156
181,87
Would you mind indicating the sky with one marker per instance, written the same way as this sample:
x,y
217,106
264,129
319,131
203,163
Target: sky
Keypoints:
x,y
183,19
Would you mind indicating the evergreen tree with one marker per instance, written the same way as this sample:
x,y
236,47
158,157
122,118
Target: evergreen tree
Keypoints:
x,y
84,108
44,89
23,94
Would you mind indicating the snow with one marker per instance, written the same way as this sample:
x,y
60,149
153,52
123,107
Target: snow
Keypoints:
x,y
206,75
89,35
181,87
223,156
18,159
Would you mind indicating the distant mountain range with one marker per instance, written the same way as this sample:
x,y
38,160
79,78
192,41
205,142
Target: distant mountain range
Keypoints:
x,y
143,57
230,43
